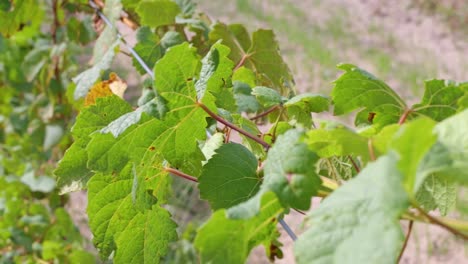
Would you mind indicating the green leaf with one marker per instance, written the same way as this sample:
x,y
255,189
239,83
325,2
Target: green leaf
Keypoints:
x,y
86,79
270,66
244,75
437,193
440,99
299,107
234,36
238,237
111,208
337,141
356,220
155,108
447,158
245,101
146,238
357,89
412,142
72,170
151,48
290,171
463,101
211,145
229,177
155,13
309,102
267,97
108,37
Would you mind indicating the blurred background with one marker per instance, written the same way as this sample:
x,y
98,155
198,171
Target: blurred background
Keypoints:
x,y
401,42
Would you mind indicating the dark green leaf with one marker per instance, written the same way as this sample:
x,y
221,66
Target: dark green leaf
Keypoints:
x,y
229,177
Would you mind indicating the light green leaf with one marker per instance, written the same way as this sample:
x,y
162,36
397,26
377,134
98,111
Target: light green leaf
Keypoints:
x,y
437,193
229,177
357,89
155,108
359,222
337,141
53,135
238,237
86,79
299,107
412,142
440,99
449,154
290,171
267,97
211,145
111,208
244,75
146,238
155,13
108,37
72,170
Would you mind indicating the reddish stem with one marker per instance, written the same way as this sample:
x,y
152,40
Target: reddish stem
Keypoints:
x,y
265,113
408,234
404,116
241,62
356,167
229,124
181,174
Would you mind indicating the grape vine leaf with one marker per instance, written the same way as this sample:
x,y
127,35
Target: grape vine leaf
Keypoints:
x,y
238,236
146,238
245,101
264,55
211,145
357,89
463,101
155,13
155,108
447,157
331,140
300,106
267,97
412,141
229,177
260,53
106,40
72,171
437,193
440,99
289,172
372,219
86,79
111,208
151,48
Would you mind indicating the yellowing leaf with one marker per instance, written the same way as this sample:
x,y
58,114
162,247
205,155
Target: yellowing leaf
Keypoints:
x,y
114,85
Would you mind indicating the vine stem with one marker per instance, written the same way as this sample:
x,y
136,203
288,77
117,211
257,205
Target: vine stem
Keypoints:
x,y
356,167
232,126
241,62
265,113
370,146
404,116
408,234
434,220
181,174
